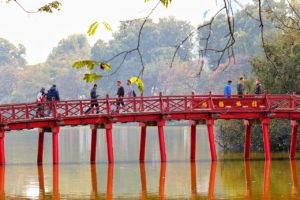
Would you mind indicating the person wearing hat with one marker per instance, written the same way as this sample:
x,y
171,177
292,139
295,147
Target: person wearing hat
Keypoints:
x,y
40,99
227,89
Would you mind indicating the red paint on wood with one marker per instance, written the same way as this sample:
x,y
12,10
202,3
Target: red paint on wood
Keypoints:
x,y
93,145
40,146
143,143
293,147
211,137
161,139
193,142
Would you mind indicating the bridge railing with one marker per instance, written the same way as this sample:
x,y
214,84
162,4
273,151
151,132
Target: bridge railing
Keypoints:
x,y
154,104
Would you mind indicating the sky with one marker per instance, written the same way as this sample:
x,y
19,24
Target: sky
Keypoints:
x,y
40,32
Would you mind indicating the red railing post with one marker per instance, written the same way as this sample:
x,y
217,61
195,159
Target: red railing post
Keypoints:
x,y
80,107
211,137
192,101
93,144
107,104
40,146
161,138
54,107
247,125
160,102
13,112
66,108
292,101
134,104
193,140
26,111
110,151
2,148
210,101
168,104
265,126
185,104
55,132
142,103
293,146
143,142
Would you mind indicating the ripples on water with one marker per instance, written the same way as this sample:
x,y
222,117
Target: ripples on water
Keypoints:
x,y
75,178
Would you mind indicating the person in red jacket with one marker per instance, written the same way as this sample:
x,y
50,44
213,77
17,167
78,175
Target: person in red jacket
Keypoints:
x,y
40,99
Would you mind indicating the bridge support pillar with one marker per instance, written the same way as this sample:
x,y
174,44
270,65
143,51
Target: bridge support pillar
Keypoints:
x,y
40,146
247,125
110,151
143,142
161,138
210,129
265,128
93,144
293,147
55,131
2,148
193,140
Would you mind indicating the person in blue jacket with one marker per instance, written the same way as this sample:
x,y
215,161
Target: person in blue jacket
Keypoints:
x,y
227,89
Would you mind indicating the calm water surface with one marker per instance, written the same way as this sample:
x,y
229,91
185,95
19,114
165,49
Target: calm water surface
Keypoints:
x,y
75,178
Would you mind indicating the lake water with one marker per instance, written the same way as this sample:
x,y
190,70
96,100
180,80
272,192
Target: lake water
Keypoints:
x,y
75,178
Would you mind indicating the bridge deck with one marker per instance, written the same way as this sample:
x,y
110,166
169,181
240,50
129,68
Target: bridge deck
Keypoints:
x,y
147,111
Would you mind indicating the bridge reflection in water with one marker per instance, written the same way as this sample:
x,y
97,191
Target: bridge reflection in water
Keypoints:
x,y
214,175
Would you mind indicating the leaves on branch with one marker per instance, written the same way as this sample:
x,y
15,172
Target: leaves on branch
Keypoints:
x,y
92,29
50,7
107,26
105,66
166,2
89,78
138,82
94,26
90,64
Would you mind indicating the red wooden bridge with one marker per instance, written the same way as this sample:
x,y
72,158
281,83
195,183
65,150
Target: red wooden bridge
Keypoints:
x,y
151,111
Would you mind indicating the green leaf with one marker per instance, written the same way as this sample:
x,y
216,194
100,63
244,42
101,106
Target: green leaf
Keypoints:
x,y
138,82
105,66
54,5
92,29
90,64
107,26
92,77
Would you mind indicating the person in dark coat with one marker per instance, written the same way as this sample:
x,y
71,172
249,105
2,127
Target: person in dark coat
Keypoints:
x,y
94,102
52,94
240,87
120,94
258,88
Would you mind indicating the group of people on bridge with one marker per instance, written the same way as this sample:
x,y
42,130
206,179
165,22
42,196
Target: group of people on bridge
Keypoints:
x,y
53,94
241,88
